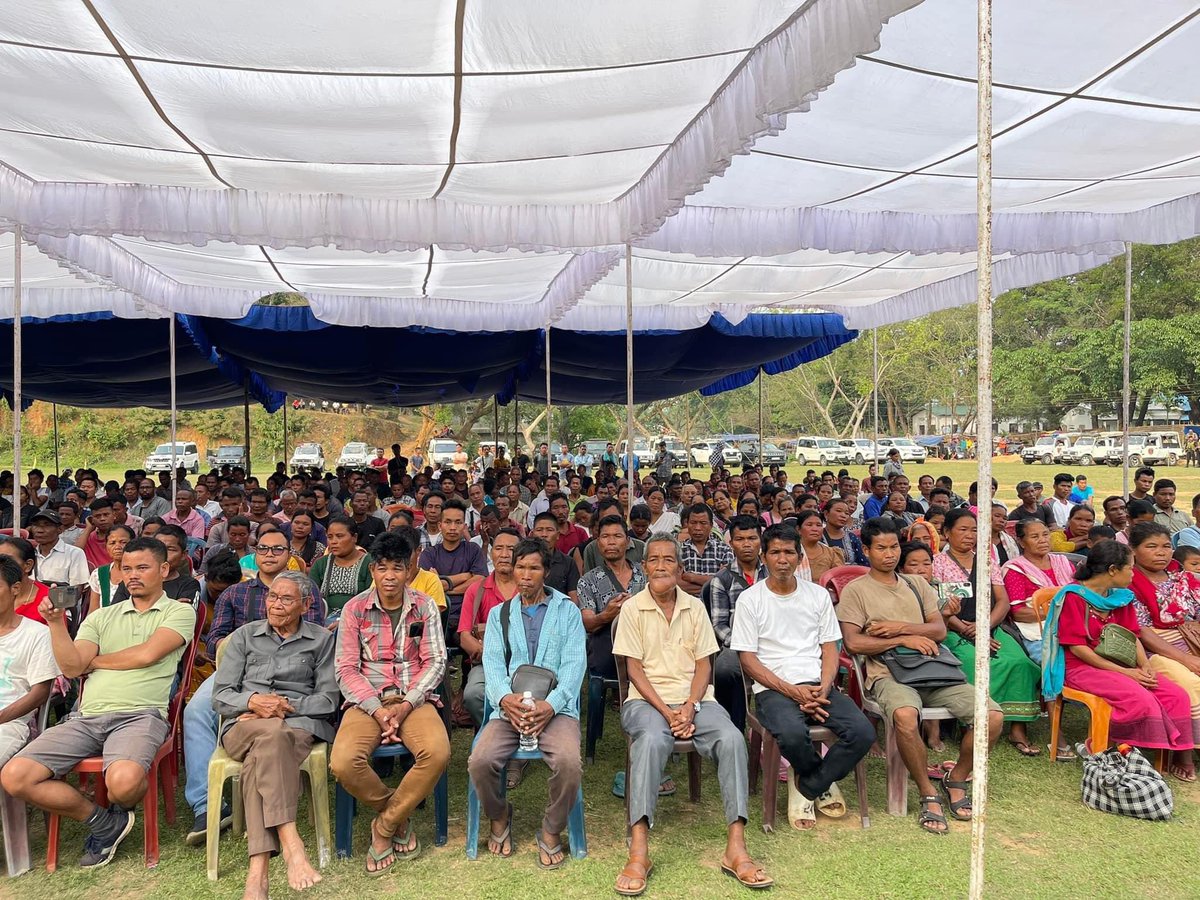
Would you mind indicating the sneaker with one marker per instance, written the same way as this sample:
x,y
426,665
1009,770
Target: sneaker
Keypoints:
x,y
198,836
97,851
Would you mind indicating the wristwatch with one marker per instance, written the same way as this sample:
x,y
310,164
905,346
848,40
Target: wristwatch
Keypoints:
x,y
696,706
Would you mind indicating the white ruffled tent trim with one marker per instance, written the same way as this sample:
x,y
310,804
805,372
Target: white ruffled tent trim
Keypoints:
x,y
784,74
724,231
47,303
101,260
1007,274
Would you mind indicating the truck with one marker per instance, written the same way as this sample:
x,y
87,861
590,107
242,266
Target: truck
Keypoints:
x,y
1091,449
1156,448
186,455
1047,449
226,455
308,455
355,455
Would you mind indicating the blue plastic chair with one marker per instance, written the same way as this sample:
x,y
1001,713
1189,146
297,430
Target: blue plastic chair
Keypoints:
x,y
346,807
576,831
598,688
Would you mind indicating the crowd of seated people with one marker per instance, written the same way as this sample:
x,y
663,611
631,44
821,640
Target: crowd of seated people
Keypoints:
x,y
348,608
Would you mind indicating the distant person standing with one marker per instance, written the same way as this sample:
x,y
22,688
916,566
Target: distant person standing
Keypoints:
x,y
664,462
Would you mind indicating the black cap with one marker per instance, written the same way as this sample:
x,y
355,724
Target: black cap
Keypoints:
x,y
48,514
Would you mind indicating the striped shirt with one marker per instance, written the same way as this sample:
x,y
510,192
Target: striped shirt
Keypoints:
x,y
373,660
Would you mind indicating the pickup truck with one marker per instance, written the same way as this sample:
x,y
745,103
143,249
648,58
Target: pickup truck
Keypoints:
x,y
227,455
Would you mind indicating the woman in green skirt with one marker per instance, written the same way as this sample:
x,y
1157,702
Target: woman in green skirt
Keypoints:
x,y
1014,676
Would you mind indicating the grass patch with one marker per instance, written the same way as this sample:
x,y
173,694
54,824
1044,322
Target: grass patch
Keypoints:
x,y
1042,842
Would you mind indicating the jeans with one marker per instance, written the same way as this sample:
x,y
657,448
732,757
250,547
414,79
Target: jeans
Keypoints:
x,y
200,722
789,725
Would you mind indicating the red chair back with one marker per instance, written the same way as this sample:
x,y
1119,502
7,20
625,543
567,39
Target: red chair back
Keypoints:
x,y
1011,527
838,577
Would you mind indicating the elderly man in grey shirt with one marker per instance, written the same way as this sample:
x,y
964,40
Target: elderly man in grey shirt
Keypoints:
x,y
277,693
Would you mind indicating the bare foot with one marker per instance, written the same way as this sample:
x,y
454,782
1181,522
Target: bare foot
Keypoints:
x,y
300,873
256,888
876,751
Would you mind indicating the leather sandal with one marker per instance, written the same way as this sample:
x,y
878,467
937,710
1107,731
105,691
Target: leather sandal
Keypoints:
x,y
635,870
744,869
957,806
926,818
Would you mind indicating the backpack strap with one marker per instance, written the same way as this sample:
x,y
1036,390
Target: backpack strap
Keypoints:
x,y
506,614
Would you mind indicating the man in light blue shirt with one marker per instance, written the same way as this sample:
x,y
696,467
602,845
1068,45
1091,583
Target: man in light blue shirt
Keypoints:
x,y
542,627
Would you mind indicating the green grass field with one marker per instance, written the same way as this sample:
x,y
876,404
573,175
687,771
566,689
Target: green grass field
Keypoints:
x,y
1042,843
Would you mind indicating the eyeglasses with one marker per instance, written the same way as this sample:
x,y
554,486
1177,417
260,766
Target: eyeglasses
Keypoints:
x,y
271,551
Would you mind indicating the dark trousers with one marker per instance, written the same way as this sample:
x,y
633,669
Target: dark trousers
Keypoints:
x,y
789,725
728,688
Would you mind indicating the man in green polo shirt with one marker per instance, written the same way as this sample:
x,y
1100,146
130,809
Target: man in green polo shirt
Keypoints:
x,y
130,652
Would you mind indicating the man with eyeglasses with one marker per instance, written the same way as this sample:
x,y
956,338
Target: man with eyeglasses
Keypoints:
x,y
237,605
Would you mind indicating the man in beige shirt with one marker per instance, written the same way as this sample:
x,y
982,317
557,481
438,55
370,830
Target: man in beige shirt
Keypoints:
x,y
667,641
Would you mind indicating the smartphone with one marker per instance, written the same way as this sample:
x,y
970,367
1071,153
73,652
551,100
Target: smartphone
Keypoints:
x,y
63,596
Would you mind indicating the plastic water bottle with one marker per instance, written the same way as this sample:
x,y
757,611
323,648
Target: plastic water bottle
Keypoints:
x,y
528,741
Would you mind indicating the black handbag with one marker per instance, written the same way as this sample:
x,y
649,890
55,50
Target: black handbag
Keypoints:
x,y
917,670
537,680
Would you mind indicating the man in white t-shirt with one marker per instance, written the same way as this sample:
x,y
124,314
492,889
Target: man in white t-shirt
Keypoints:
x,y
27,666
786,636
1060,504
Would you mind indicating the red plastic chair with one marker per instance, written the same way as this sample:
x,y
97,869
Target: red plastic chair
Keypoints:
x,y
162,775
838,577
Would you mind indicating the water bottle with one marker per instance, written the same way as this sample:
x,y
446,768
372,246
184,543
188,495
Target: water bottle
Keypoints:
x,y
528,741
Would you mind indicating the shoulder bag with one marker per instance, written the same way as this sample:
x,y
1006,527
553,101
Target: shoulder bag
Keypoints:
x,y
909,667
538,680
1117,643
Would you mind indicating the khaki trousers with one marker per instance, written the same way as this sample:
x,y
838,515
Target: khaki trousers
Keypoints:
x,y
270,752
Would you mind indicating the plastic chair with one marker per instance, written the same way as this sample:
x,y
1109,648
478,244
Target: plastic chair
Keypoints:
x,y
221,768
13,814
897,772
764,760
346,807
598,688
576,828
162,776
838,577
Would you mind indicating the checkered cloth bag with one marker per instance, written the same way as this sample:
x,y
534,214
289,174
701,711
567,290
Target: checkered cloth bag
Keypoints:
x,y
1126,783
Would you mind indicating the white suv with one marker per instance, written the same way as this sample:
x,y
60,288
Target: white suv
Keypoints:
x,y
819,451
910,451
702,450
860,450
355,455
186,455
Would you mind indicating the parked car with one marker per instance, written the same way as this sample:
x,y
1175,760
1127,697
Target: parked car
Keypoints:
x,y
814,451
1157,448
910,450
356,455
1090,449
860,450
308,456
186,455
597,448
228,455
772,455
702,451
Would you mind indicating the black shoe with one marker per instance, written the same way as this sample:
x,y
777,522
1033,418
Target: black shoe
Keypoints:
x,y
198,836
98,851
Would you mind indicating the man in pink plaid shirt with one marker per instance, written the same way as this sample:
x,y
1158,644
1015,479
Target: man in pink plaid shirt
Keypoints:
x,y
391,657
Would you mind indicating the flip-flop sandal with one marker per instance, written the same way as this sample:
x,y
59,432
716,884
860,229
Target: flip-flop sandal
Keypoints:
x,y
1182,774
401,847
925,818
1064,754
740,868
956,806
663,791
549,851
379,856
643,877
505,837
1025,748
833,800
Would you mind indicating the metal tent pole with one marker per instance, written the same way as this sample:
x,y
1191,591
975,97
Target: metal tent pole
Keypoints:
x,y
16,394
983,447
760,416
495,429
1125,388
629,364
54,414
516,422
875,396
549,447
285,434
246,419
174,412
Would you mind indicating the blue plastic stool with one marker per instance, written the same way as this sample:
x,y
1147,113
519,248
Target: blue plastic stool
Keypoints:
x,y
345,806
576,831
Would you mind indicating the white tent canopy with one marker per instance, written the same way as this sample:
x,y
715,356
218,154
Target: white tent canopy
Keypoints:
x,y
480,166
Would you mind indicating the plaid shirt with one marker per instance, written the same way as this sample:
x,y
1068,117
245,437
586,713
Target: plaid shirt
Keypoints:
x,y
247,602
374,661
717,554
724,590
